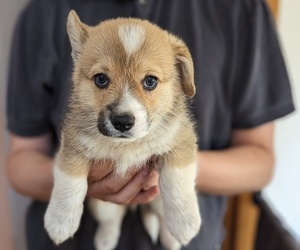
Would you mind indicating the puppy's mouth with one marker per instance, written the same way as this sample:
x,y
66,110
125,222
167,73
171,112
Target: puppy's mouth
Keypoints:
x,y
112,133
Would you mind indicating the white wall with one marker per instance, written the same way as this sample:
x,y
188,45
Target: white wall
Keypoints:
x,y
10,202
284,192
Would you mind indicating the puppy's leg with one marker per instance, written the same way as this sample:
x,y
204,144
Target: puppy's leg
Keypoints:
x,y
65,208
166,239
110,217
150,221
181,211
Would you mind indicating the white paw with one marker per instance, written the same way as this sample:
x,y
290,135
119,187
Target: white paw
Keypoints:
x,y
62,223
106,237
184,227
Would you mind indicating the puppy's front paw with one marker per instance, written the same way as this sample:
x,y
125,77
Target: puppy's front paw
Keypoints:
x,y
184,227
62,223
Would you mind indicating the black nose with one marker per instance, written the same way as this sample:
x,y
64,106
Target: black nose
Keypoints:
x,y
122,122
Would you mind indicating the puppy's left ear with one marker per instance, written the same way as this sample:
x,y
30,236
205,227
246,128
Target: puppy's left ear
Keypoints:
x,y
184,64
78,34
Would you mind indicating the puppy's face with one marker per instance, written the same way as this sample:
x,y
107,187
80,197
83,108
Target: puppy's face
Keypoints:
x,y
128,74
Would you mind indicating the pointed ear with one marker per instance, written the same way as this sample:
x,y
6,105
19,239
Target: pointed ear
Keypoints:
x,y
184,64
78,33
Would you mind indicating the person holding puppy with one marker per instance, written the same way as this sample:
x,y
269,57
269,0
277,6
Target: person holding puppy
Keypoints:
x,y
242,87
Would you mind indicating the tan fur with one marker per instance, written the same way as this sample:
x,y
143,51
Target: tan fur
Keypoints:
x,y
170,137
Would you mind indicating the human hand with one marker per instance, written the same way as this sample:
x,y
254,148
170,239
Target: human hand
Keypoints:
x,y
137,186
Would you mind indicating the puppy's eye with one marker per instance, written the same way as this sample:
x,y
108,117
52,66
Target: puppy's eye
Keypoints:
x,y
101,80
150,82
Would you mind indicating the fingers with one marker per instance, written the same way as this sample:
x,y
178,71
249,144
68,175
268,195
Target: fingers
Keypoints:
x,y
131,189
137,186
145,196
112,184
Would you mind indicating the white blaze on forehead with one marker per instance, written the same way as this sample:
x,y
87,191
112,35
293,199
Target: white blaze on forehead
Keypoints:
x,y
132,37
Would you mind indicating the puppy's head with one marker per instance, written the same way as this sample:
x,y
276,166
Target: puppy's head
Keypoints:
x,y
129,74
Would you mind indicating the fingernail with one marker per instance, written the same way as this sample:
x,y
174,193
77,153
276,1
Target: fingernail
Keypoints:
x,y
146,171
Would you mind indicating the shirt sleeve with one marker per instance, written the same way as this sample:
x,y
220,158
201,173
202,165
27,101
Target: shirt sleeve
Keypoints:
x,y
262,91
30,78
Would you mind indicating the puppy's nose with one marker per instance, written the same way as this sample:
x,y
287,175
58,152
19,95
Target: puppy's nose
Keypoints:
x,y
122,122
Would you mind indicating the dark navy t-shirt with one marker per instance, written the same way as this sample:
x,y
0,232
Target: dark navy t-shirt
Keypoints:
x,y
240,77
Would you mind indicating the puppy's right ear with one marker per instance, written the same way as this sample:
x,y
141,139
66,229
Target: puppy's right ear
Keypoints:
x,y
78,33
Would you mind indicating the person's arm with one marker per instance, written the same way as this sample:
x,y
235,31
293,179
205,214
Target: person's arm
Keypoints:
x,y
30,167
245,166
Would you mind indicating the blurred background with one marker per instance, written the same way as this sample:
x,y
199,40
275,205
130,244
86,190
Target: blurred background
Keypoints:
x,y
275,213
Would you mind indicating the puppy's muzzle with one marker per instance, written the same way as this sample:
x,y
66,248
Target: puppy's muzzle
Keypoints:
x,y
122,123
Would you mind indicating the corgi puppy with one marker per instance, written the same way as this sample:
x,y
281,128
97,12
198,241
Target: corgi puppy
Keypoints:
x,y
129,104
